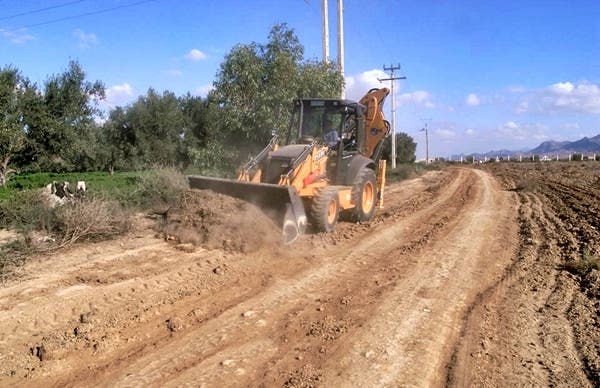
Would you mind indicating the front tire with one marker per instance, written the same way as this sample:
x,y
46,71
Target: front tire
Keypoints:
x,y
364,195
325,209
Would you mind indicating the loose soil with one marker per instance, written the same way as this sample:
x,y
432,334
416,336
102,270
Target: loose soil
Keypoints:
x,y
460,280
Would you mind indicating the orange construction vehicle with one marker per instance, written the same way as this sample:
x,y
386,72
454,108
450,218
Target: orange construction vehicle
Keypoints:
x,y
329,164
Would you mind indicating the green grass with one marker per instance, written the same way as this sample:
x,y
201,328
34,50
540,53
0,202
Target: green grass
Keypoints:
x,y
581,267
408,171
117,186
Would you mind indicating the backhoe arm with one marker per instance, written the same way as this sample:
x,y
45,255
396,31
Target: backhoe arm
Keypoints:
x,y
376,127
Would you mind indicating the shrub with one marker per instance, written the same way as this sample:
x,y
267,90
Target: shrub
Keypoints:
x,y
584,266
26,211
160,189
408,171
89,220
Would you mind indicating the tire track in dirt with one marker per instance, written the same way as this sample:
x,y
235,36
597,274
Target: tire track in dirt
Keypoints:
x,y
231,329
407,341
520,331
388,296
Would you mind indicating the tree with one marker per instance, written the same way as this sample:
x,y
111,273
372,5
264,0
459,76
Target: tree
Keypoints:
x,y
405,148
64,135
13,87
256,86
151,131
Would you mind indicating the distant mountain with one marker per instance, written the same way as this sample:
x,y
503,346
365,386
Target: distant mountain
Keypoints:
x,y
549,146
586,145
583,145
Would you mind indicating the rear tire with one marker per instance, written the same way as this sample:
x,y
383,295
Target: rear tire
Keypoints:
x,y
325,209
364,195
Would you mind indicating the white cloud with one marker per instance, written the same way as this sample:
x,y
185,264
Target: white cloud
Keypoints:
x,y
445,133
583,97
523,131
472,100
16,36
419,98
85,40
469,132
203,91
119,95
358,85
195,55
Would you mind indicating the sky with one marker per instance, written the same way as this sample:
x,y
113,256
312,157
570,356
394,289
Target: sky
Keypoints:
x,y
481,75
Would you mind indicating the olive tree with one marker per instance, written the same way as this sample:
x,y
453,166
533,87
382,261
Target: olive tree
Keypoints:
x,y
12,127
256,85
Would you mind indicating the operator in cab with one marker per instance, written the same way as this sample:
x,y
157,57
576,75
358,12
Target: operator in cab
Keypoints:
x,y
331,135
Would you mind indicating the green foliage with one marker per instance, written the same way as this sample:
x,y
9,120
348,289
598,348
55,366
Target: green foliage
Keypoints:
x,y
150,132
26,211
257,83
54,128
66,137
13,88
405,171
405,148
119,186
585,265
160,189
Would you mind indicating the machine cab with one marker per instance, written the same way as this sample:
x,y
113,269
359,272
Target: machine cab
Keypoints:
x,y
330,122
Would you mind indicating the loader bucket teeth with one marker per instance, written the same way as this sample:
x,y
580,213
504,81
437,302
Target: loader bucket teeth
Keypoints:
x,y
281,203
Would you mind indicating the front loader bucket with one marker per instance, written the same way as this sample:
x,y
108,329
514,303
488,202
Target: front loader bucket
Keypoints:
x,y
279,202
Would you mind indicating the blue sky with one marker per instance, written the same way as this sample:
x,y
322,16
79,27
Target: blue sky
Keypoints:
x,y
488,75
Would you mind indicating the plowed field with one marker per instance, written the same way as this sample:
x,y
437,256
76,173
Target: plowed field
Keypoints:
x,y
459,280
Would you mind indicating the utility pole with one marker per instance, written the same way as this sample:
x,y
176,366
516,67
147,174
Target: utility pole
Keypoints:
x,y
391,69
324,9
426,129
341,41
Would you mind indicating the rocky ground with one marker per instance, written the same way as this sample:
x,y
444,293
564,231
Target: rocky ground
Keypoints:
x,y
466,277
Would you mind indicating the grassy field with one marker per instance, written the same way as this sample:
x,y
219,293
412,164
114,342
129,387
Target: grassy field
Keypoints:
x,y
117,185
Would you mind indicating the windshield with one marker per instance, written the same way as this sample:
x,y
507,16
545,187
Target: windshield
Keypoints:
x,y
320,120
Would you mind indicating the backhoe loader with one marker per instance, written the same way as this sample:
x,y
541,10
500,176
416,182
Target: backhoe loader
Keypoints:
x,y
329,165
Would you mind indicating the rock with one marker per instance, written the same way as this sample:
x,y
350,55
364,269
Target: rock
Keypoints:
x,y
187,248
249,314
227,362
173,324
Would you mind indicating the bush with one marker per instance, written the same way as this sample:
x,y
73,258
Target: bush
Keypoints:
x,y
160,189
26,211
80,219
89,220
584,266
408,171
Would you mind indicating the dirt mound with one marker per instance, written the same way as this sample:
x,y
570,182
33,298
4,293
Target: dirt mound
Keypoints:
x,y
217,221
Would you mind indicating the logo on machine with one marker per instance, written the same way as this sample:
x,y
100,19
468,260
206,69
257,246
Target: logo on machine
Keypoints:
x,y
321,154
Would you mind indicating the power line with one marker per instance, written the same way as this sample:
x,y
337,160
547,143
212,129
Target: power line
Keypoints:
x,y
84,14
40,10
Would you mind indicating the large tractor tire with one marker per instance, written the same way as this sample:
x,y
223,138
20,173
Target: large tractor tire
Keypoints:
x,y
325,209
364,195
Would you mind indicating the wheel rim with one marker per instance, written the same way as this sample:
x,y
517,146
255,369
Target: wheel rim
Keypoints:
x,y
368,197
331,212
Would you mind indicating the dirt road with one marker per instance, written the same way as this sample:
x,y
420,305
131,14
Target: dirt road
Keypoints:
x,y
396,302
